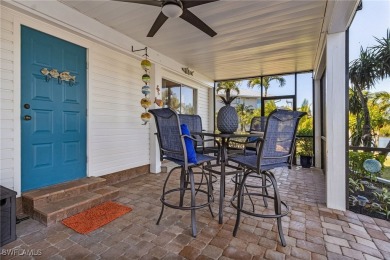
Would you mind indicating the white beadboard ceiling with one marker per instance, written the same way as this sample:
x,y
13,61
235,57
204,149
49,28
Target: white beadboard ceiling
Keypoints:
x,y
262,37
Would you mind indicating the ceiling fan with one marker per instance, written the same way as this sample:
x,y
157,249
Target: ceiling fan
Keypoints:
x,y
174,9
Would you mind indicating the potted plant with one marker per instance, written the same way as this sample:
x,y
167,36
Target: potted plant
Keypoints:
x,y
305,147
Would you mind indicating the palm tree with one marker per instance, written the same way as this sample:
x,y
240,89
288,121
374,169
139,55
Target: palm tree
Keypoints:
x,y
244,114
227,87
382,55
355,122
363,74
373,64
266,82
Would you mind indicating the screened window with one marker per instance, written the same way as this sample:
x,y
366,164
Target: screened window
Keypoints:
x,y
179,97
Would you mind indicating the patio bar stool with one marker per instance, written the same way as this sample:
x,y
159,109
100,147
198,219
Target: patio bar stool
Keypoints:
x,y
275,151
194,123
251,145
172,143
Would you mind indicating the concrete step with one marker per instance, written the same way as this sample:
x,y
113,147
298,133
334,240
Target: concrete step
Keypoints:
x,y
55,211
58,192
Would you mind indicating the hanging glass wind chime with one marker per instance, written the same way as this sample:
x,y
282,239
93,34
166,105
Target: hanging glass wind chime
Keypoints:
x,y
145,101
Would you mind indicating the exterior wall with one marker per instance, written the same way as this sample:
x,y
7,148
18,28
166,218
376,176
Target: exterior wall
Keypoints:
x,y
7,94
115,128
116,140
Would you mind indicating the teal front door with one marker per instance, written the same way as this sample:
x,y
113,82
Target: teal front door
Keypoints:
x,y
53,111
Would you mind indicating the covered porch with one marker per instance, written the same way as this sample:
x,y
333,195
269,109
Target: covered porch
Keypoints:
x,y
306,37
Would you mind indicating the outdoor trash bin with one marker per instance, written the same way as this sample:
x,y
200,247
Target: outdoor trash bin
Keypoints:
x,y
8,215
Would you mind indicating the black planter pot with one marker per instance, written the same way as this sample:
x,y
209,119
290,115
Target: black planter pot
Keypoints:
x,y
306,161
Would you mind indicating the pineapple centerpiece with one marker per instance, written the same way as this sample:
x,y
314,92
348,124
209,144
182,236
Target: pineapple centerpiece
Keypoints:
x,y
227,119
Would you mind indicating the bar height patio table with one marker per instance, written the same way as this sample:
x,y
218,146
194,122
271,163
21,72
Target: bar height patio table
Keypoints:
x,y
224,161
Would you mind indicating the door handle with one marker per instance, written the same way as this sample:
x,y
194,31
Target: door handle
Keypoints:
x,y
26,106
27,118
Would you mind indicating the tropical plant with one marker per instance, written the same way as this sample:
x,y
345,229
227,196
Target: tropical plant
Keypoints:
x,y
379,104
379,108
266,82
305,128
355,185
382,55
383,198
244,115
305,143
228,87
355,118
269,106
306,121
363,76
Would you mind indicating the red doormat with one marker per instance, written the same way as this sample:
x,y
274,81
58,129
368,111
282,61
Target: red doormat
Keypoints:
x,y
96,217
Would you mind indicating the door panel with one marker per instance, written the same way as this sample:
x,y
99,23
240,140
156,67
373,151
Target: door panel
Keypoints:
x,y
54,139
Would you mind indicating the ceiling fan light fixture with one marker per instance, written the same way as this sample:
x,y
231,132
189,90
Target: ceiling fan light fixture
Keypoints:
x,y
172,10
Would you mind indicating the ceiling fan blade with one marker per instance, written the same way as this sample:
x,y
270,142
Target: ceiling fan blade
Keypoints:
x,y
195,21
161,18
190,3
144,2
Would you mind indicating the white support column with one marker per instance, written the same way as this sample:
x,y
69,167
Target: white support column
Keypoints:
x,y
156,80
210,127
336,121
317,126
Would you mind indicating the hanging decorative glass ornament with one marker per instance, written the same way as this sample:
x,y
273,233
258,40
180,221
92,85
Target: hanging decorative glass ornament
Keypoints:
x,y
146,64
146,117
146,90
146,78
146,103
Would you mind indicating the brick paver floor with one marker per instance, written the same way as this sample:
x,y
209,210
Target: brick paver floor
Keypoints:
x,y
312,231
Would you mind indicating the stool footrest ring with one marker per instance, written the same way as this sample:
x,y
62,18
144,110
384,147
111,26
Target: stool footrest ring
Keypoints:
x,y
170,205
261,215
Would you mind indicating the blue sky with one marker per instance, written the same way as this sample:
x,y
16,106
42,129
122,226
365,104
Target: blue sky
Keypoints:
x,y
372,20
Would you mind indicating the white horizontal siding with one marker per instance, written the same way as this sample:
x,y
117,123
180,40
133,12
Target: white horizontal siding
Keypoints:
x,y
7,149
118,141
203,106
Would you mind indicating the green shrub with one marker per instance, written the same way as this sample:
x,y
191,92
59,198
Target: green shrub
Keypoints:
x,y
304,146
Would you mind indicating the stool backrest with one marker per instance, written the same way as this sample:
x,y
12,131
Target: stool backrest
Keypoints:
x,y
279,137
258,124
194,123
168,133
